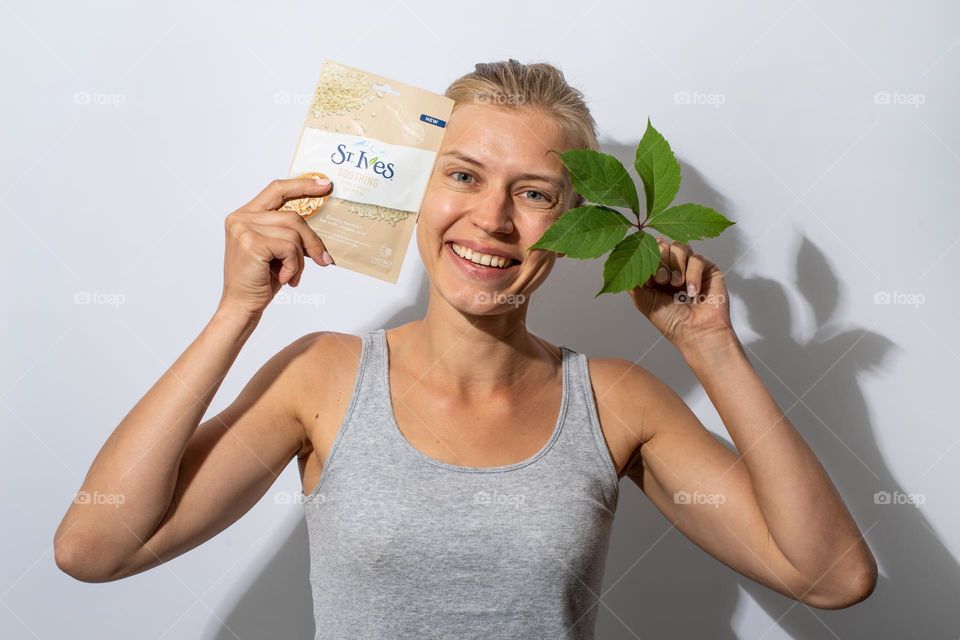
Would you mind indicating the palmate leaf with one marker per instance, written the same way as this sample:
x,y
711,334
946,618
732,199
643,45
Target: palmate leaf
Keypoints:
x,y
658,169
601,178
584,232
631,263
686,222
590,231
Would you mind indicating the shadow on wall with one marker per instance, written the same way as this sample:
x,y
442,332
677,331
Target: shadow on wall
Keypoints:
x,y
657,583
276,602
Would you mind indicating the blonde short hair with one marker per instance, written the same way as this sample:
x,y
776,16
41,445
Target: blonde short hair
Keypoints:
x,y
533,86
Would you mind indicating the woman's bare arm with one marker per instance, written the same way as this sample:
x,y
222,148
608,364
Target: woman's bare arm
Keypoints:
x,y
162,484
168,484
769,511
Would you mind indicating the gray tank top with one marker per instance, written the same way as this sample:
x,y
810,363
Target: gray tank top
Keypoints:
x,y
406,546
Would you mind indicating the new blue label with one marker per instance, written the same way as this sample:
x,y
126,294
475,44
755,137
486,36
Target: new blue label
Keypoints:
x,y
430,119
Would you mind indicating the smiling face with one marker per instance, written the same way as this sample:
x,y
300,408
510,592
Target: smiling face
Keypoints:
x,y
494,191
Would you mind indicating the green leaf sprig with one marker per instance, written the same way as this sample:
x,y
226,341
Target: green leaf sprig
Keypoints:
x,y
592,230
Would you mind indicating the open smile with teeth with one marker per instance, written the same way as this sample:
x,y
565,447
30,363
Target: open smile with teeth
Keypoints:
x,y
487,260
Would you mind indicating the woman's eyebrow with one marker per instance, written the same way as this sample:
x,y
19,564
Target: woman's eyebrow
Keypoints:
x,y
463,157
556,182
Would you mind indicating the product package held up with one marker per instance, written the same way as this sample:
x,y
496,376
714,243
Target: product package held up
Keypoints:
x,y
377,140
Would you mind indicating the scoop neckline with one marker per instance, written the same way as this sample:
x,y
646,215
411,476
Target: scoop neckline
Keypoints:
x,y
395,427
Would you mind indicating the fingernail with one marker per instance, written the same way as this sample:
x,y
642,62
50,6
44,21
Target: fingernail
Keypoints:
x,y
691,289
323,182
661,274
325,258
676,278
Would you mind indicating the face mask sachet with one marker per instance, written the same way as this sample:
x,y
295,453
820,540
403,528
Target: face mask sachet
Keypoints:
x,y
377,140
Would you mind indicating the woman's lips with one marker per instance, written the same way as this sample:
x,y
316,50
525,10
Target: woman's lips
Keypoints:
x,y
477,271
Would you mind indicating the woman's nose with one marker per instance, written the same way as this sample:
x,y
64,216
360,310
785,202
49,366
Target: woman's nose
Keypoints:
x,y
495,214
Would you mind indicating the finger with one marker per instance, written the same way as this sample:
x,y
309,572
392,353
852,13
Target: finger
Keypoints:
x,y
268,249
679,253
282,233
274,231
280,190
312,245
662,276
695,268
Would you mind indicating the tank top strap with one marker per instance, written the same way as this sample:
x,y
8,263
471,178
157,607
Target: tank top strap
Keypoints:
x,y
583,442
367,417
372,389
376,415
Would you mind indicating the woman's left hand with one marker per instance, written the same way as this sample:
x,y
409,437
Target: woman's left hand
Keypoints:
x,y
686,300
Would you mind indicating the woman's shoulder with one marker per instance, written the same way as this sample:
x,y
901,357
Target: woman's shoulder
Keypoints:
x,y
614,369
314,363
327,351
626,386
625,392
321,377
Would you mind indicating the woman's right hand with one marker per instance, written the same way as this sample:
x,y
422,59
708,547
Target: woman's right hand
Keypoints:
x,y
265,247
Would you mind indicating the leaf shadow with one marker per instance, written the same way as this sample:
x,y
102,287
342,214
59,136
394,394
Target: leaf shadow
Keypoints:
x,y
664,586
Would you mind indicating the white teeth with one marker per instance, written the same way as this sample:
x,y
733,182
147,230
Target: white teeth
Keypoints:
x,y
480,258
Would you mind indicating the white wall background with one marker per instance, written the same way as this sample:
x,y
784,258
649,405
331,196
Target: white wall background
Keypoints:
x,y
192,109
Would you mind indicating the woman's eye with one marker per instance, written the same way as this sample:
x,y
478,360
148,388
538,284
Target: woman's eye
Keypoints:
x,y
537,197
460,173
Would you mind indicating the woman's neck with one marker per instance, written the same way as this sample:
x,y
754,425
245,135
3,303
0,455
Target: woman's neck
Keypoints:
x,y
473,355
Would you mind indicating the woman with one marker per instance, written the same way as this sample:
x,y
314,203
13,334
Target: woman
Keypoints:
x,y
460,473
